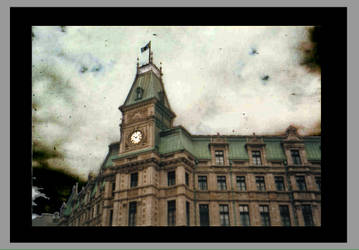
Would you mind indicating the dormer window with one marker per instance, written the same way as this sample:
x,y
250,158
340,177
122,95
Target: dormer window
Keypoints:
x,y
139,93
295,157
219,157
256,156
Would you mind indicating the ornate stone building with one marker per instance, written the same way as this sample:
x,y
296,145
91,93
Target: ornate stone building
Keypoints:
x,y
161,175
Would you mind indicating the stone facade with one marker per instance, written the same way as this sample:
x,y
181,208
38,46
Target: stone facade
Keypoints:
x,y
160,175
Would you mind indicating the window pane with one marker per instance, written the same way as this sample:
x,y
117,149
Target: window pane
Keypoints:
x,y
244,215
219,154
203,215
224,215
279,182
171,205
241,183
134,179
301,183
202,182
260,183
221,183
187,179
264,213
284,214
295,157
256,155
307,215
132,214
318,181
171,177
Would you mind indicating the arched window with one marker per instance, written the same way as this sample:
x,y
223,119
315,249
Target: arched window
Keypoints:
x,y
139,93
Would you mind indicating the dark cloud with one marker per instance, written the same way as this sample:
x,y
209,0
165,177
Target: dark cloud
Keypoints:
x,y
311,50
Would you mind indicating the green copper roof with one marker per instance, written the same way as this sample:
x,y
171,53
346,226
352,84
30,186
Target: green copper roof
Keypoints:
x,y
237,149
313,150
274,149
176,139
151,86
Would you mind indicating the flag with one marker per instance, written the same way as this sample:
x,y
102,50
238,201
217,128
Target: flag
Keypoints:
x,y
146,47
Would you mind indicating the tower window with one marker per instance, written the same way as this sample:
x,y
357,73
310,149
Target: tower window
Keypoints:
x,y
171,178
171,213
284,215
244,215
301,183
260,183
264,212
134,179
307,215
139,93
219,157
279,183
256,155
221,183
295,157
241,183
132,214
224,215
202,182
203,215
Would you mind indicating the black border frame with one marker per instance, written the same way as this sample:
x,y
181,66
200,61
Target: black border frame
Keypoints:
x,y
334,125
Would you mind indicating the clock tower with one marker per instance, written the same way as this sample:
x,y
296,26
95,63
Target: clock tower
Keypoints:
x,y
146,111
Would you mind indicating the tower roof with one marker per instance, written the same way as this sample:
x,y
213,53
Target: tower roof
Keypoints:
x,y
149,80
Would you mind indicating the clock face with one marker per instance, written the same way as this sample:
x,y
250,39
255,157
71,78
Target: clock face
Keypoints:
x,y
136,137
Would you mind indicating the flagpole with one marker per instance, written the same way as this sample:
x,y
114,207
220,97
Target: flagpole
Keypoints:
x,y
149,55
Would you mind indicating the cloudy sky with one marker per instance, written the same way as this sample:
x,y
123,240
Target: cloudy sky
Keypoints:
x,y
231,80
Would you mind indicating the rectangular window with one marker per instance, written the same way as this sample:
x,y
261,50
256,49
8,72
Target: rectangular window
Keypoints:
x,y
187,213
284,215
219,157
134,179
318,181
110,218
203,215
244,215
171,177
202,182
279,183
264,213
187,179
256,156
113,188
97,209
132,214
224,215
260,183
307,215
295,157
221,183
171,213
241,183
301,183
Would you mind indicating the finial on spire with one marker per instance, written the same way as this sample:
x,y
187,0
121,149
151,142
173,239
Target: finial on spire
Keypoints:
x,y
138,62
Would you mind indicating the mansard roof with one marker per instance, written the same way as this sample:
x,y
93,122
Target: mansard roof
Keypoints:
x,y
178,138
149,79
